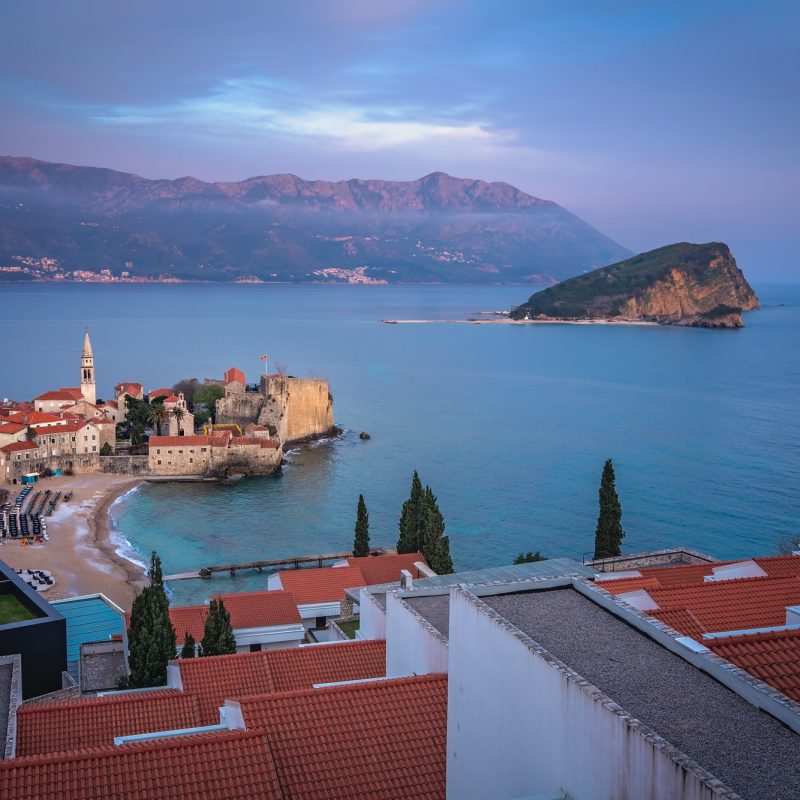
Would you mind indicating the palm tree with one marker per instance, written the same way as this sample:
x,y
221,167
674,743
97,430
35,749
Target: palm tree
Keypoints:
x,y
178,413
158,416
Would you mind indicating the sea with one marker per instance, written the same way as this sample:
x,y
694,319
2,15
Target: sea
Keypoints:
x,y
509,424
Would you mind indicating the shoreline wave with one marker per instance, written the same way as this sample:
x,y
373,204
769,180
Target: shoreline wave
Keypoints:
x,y
123,547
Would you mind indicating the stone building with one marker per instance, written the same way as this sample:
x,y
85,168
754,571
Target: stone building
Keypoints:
x,y
292,409
217,454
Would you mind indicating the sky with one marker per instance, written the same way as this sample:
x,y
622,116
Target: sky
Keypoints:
x,y
655,122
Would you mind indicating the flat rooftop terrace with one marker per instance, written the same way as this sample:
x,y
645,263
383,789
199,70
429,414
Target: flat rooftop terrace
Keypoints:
x,y
435,609
746,748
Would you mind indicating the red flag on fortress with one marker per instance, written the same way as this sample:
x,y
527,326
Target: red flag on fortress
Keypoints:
x,y
263,358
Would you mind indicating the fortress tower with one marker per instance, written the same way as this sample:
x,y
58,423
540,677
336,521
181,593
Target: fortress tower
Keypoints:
x,y
88,388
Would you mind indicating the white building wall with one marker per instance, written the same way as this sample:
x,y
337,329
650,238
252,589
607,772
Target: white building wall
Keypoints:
x,y
372,617
413,645
519,725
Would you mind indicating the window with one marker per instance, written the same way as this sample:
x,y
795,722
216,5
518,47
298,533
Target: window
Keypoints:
x,y
158,452
191,461
320,622
255,648
159,460
94,448
93,437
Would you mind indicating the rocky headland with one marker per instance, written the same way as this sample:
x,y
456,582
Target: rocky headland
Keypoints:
x,y
696,285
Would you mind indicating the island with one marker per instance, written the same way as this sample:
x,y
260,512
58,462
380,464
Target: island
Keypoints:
x,y
697,285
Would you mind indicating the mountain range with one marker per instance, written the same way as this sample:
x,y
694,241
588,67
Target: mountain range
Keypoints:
x,y
284,228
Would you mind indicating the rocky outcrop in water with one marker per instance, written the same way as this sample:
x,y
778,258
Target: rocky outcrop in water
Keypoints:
x,y
697,285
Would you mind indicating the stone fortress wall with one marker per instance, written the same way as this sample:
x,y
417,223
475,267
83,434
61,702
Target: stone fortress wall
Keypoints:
x,y
297,408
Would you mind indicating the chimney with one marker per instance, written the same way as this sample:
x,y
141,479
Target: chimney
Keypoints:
x,y
406,581
793,616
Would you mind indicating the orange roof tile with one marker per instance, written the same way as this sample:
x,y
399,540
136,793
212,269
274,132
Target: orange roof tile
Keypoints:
x,y
60,395
185,619
302,667
15,446
269,444
622,585
234,375
34,417
128,388
261,609
222,766
55,726
239,441
246,609
214,679
733,605
394,734
189,441
322,584
74,391
11,427
160,393
772,657
386,569
681,620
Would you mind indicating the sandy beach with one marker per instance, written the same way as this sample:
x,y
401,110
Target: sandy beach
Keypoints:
x,y
80,553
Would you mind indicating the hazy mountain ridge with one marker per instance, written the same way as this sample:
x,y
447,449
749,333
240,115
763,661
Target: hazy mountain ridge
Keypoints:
x,y
281,227
698,285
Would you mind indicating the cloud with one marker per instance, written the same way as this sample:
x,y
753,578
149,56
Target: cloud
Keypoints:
x,y
242,108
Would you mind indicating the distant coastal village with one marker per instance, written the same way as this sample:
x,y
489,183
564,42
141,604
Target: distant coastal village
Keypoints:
x,y
224,429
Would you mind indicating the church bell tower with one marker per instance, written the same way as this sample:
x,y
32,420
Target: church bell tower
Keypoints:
x,y
88,389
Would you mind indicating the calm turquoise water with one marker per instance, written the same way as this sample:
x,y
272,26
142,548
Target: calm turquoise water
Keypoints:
x,y
509,424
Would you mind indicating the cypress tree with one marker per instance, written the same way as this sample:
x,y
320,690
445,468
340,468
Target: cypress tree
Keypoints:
x,y
410,540
188,649
435,545
151,637
218,638
361,541
609,533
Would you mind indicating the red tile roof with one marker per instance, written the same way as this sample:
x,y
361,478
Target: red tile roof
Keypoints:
x,y
160,393
60,395
732,605
185,619
223,766
321,585
11,427
128,388
234,375
772,657
34,417
55,726
240,441
386,569
382,740
111,403
74,391
693,574
167,441
261,609
302,667
246,609
16,446
269,444
214,679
